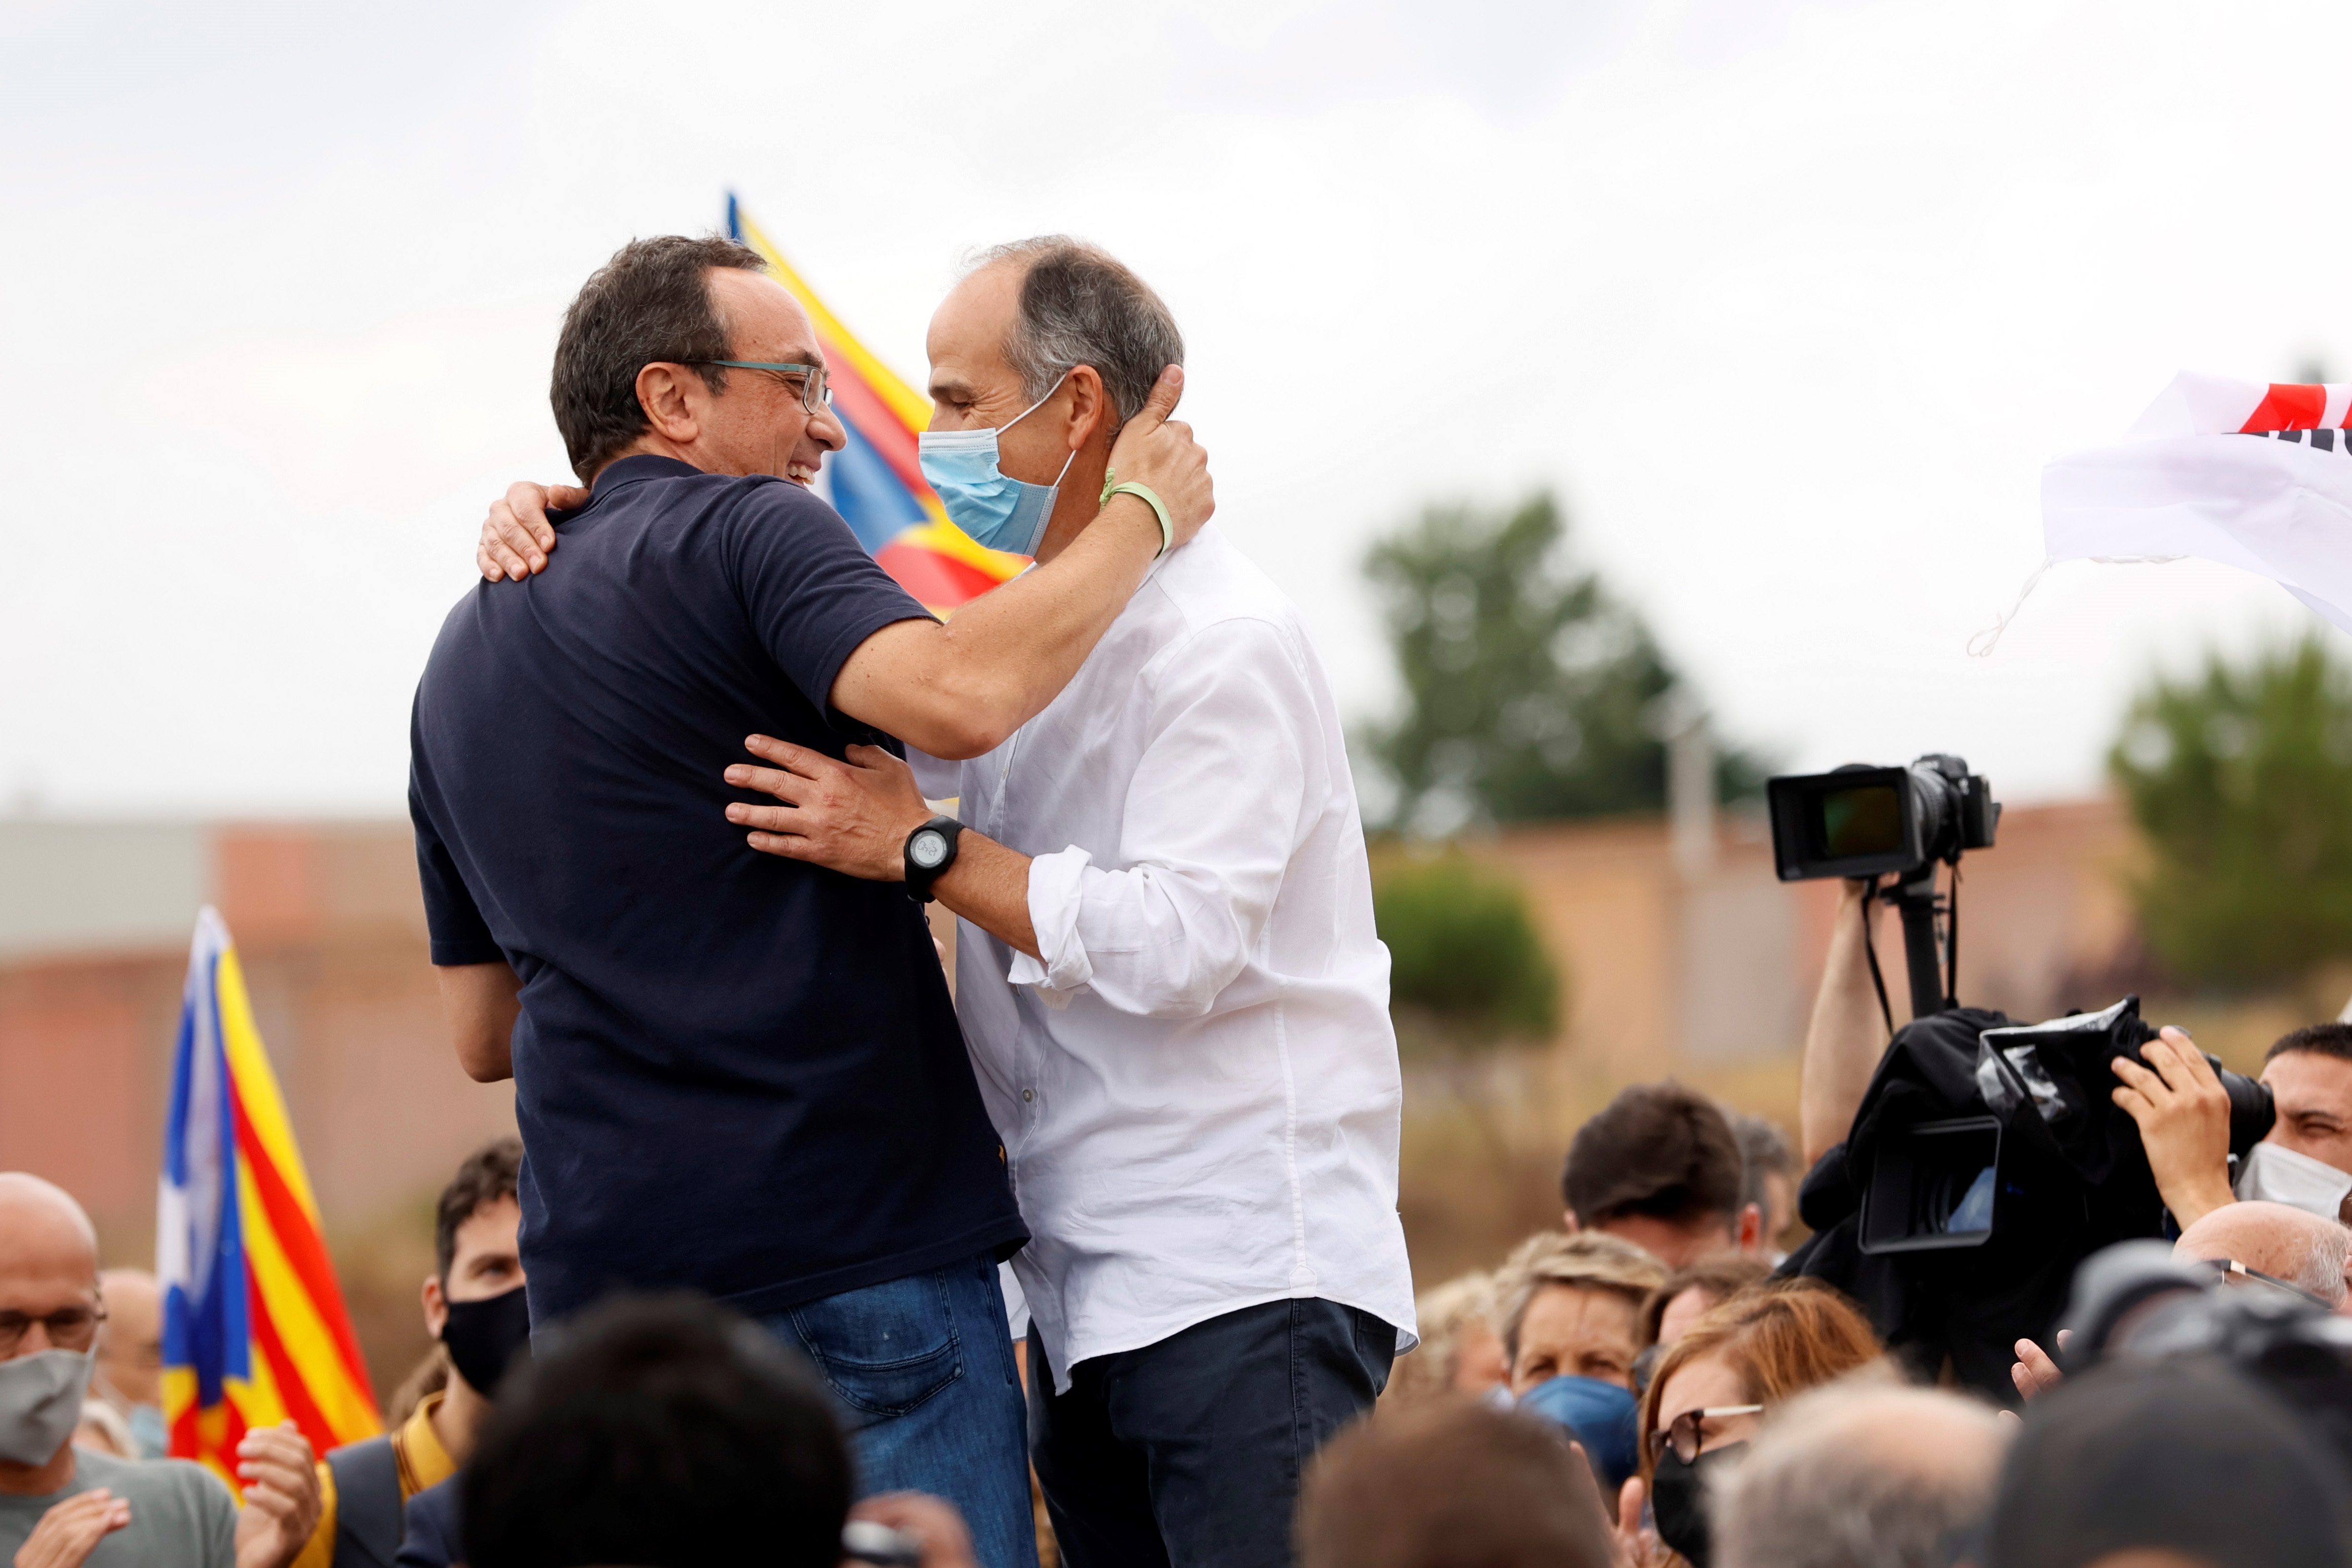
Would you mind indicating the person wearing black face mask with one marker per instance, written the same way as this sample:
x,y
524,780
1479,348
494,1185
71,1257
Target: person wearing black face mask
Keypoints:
x,y
1709,1396
475,1306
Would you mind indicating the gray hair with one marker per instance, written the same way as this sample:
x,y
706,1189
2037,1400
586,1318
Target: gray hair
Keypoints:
x,y
1080,305
2322,1273
1859,1474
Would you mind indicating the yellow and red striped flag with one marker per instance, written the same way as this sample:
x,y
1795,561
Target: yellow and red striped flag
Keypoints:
x,y
875,481
254,1325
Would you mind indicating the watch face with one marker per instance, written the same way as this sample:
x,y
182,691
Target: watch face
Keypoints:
x,y
927,848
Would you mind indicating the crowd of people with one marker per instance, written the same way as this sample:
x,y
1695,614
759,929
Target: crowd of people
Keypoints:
x,y
1644,1385
802,1257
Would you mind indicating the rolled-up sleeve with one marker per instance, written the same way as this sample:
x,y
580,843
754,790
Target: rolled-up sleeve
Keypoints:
x,y
1211,821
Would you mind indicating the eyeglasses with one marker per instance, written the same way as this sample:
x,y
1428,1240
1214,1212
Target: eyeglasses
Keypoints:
x,y
68,1328
2231,1269
815,394
1683,1433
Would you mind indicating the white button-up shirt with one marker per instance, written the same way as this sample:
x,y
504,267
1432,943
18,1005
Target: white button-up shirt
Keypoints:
x,y
1197,1088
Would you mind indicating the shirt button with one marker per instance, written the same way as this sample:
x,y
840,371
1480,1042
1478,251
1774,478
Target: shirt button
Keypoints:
x,y
1027,1095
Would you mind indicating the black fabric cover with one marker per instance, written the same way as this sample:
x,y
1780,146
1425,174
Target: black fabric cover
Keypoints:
x,y
2073,1179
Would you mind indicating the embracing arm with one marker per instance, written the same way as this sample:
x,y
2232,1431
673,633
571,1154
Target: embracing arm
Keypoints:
x,y
957,689
1210,820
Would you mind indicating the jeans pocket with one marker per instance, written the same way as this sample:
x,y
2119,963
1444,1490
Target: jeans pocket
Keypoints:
x,y
886,1348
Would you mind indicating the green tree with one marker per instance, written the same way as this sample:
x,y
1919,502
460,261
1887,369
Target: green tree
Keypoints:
x,y
1529,689
2241,779
1468,968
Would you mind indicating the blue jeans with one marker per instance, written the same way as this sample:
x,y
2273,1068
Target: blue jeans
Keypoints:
x,y
922,1375
1187,1453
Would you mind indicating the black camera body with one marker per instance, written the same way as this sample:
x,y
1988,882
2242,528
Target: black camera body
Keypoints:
x,y
1986,1160
1859,821
1950,1182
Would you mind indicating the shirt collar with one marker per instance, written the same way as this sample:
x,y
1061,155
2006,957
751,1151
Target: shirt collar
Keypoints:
x,y
423,1462
639,465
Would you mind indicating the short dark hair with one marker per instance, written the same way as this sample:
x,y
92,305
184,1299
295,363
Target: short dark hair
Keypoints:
x,y
1658,1150
1081,305
1721,1275
1763,1152
663,1431
1451,1482
2319,1039
650,304
490,1174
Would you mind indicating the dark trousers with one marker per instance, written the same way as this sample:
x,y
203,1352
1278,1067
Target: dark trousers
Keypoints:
x,y
1187,1453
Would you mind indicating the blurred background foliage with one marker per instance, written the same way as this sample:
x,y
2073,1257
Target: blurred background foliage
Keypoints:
x,y
1468,967
1531,692
2241,779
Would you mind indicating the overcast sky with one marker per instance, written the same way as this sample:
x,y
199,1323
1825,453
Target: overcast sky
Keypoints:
x,y
1788,304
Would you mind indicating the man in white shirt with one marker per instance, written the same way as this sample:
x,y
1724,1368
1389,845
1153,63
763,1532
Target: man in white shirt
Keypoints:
x,y
1167,974
1167,971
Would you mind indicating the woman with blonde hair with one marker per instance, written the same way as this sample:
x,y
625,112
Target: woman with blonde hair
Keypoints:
x,y
1461,1349
1712,1390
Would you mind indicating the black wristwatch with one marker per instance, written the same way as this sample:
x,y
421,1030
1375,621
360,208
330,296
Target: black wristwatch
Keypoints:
x,y
931,850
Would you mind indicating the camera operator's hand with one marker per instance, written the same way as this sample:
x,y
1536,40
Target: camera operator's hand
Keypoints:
x,y
2184,1124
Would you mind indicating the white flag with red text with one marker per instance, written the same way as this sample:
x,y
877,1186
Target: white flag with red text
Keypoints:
x,y
2251,474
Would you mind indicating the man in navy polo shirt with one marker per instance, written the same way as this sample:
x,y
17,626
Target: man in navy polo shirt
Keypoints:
x,y
733,1073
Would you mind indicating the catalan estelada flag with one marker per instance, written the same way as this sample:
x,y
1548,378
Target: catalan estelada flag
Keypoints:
x,y
253,1326
877,485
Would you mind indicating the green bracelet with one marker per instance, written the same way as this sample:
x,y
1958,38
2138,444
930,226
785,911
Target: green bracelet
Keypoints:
x,y
1142,493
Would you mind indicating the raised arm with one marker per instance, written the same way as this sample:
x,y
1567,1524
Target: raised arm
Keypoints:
x,y
1847,1035
957,689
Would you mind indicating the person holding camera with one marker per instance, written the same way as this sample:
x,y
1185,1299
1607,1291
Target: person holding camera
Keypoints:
x,y
2173,1094
2304,1162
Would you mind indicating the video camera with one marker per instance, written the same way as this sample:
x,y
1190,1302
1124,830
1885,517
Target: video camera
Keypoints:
x,y
1988,1158
1870,822
1943,1183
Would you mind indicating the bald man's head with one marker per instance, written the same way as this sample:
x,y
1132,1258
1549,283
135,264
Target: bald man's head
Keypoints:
x,y
48,1253
2306,1251
1860,1473
130,1352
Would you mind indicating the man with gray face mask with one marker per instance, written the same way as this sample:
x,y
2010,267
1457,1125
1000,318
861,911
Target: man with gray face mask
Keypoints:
x,y
63,1508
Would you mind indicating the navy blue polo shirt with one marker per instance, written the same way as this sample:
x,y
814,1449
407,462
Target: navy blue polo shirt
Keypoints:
x,y
734,1073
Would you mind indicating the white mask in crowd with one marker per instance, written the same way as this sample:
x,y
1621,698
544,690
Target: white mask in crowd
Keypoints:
x,y
40,1403
2274,1173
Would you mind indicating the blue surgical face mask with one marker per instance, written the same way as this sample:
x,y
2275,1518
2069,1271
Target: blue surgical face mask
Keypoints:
x,y
996,509
147,1429
1599,1414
